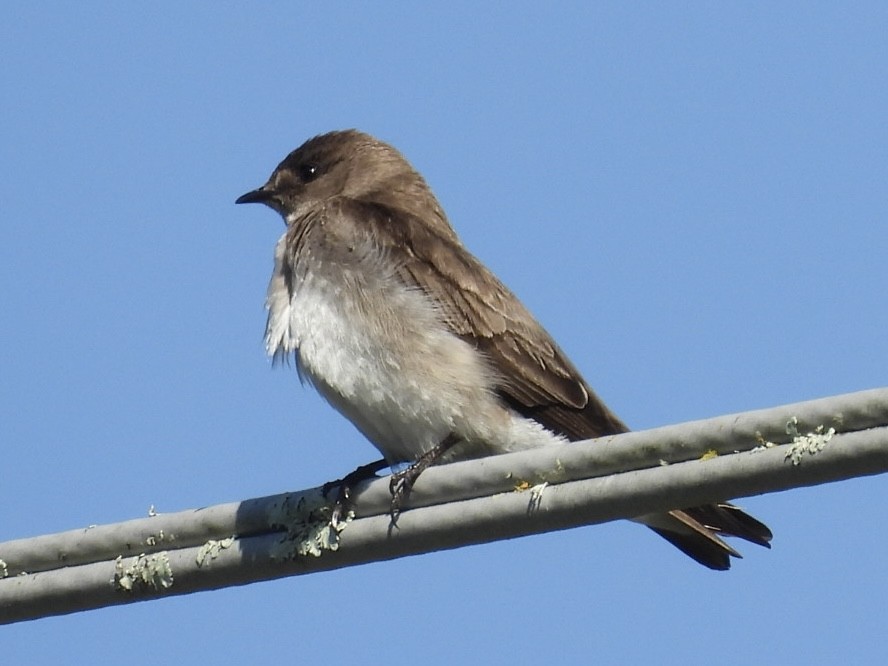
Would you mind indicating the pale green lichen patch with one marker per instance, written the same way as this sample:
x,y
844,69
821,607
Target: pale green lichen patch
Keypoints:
x,y
143,573
161,537
307,519
811,443
211,549
763,444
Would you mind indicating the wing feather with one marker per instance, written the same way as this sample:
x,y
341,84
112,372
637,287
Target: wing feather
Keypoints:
x,y
536,378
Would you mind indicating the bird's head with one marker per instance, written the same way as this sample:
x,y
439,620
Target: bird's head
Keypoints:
x,y
345,163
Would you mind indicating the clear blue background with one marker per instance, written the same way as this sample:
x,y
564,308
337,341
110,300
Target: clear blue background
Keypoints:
x,y
692,199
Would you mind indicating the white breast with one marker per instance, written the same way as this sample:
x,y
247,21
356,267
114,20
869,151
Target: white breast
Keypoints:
x,y
378,352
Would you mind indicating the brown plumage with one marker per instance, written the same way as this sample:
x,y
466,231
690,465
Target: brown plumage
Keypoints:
x,y
363,193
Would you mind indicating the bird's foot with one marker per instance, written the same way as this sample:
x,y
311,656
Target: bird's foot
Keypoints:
x,y
342,505
402,482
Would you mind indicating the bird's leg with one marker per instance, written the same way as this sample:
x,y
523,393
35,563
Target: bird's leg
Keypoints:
x,y
343,496
402,482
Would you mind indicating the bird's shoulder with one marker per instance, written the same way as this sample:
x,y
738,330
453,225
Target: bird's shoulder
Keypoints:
x,y
535,376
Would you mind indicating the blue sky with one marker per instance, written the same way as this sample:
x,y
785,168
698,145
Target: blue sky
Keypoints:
x,y
692,199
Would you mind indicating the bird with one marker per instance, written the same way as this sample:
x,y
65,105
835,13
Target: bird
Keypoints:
x,y
416,342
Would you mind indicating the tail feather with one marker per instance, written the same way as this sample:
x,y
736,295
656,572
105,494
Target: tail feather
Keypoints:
x,y
696,531
730,520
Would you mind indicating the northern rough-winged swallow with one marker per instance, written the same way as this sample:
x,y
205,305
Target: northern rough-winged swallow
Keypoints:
x,y
415,341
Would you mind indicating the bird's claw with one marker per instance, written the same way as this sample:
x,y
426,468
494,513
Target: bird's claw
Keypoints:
x,y
400,487
342,505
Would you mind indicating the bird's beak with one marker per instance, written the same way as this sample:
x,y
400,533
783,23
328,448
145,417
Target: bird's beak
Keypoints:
x,y
262,195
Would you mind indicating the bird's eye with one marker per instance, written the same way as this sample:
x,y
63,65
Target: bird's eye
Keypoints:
x,y
308,172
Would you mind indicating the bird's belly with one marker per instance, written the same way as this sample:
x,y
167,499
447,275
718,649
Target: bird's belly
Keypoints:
x,y
382,358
